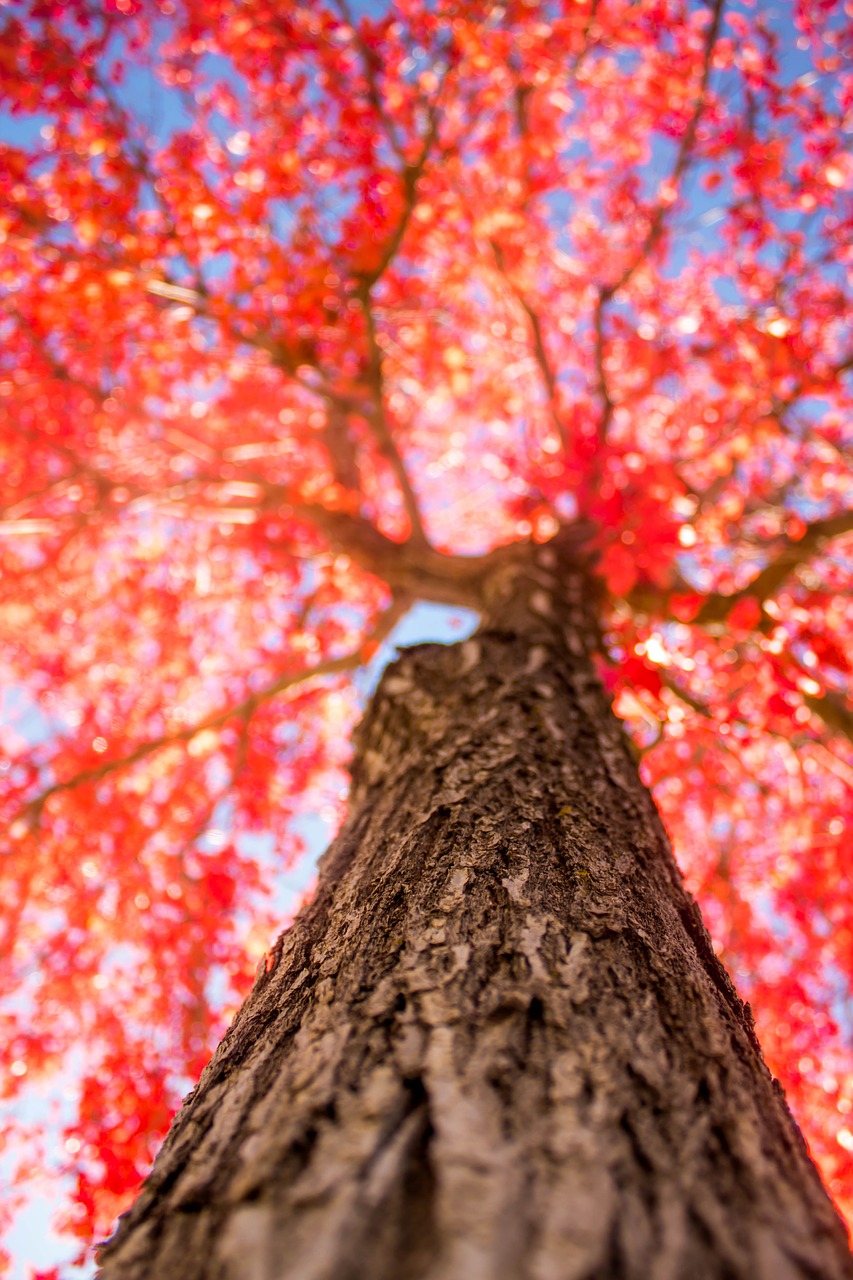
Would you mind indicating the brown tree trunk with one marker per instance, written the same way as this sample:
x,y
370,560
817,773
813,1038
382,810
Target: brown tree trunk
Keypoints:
x,y
497,1045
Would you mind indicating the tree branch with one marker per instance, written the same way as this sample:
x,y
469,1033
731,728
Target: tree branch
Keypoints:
x,y
31,811
548,376
830,708
607,405
657,222
586,44
378,421
695,704
682,159
767,582
410,176
370,62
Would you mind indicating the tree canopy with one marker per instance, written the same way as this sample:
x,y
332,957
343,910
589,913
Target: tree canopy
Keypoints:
x,y
309,308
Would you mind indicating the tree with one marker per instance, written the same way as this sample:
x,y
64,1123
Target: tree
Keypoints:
x,y
537,310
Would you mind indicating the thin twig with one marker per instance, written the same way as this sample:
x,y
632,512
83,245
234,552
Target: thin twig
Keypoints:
x,y
682,160
656,225
541,355
369,62
410,178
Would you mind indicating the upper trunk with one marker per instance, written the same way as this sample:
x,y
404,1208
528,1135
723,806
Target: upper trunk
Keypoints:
x,y
497,1045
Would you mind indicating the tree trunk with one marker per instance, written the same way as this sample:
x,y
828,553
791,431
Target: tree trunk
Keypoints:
x,y
497,1045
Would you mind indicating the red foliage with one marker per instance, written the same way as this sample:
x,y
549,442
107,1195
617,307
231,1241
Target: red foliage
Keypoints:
x,y
285,287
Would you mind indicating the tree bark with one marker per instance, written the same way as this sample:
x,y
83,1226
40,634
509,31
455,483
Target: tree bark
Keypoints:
x,y
497,1045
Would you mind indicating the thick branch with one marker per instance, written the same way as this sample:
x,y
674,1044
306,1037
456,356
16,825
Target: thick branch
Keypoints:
x,y
768,581
832,711
422,573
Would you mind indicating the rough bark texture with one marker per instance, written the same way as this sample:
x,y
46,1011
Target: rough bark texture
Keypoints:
x,y
497,1045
